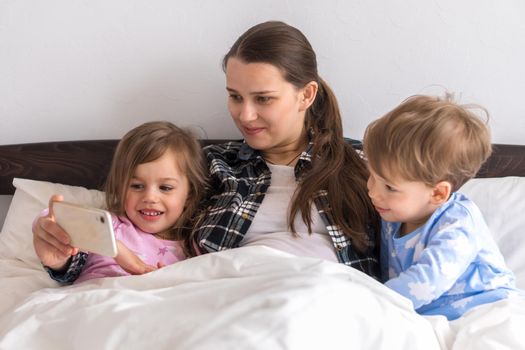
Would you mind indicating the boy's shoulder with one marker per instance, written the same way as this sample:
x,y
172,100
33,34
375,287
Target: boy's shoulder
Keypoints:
x,y
459,210
461,203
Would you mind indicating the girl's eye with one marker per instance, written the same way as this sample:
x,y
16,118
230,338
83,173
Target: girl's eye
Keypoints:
x,y
136,186
166,188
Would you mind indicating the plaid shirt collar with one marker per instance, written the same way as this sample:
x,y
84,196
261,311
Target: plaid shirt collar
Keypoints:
x,y
246,153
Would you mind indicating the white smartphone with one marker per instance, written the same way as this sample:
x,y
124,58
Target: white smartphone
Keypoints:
x,y
90,229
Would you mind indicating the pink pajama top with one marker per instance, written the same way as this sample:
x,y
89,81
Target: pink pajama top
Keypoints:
x,y
150,249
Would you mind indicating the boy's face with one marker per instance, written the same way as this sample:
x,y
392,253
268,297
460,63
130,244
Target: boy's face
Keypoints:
x,y
398,200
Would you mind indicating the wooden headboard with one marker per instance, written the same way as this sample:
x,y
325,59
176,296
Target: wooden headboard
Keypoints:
x,y
86,163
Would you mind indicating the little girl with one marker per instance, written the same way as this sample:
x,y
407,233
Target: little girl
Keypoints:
x,y
155,184
436,248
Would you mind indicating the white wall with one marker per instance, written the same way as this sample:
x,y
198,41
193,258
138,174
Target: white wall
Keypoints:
x,y
72,69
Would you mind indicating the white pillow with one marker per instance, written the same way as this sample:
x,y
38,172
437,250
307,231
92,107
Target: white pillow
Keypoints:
x,y
30,198
5,202
502,202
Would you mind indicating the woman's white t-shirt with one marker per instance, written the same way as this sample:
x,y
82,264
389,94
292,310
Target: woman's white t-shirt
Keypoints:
x,y
270,228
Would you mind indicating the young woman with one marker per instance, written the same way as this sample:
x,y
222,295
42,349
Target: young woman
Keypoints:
x,y
294,184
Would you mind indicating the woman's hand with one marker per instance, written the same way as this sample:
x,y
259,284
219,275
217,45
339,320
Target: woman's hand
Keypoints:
x,y
51,242
130,262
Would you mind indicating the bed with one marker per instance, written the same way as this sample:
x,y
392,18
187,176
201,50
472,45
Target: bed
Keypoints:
x,y
245,298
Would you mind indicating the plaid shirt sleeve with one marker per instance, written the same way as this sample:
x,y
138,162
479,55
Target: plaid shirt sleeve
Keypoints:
x,y
76,263
367,261
235,198
74,266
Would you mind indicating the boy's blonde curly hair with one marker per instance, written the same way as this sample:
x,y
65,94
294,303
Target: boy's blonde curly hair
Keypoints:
x,y
428,139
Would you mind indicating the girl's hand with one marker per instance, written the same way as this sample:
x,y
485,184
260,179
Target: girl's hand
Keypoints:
x,y
50,241
130,262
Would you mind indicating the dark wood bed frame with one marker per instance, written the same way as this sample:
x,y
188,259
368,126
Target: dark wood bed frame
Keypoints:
x,y
86,163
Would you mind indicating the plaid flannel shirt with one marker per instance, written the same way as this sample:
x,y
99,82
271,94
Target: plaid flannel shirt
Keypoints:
x,y
239,179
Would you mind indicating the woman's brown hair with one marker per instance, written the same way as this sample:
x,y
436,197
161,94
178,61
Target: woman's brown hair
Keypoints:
x,y
336,166
146,143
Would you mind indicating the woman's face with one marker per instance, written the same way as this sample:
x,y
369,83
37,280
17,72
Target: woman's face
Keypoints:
x,y
268,110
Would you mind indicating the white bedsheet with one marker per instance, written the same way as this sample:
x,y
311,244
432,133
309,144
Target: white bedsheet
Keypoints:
x,y
496,326
246,298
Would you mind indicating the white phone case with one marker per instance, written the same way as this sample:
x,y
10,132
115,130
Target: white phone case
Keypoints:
x,y
90,229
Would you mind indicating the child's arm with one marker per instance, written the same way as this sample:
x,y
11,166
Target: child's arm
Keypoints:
x,y
447,255
130,262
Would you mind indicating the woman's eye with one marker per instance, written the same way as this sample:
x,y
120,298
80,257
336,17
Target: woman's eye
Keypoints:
x,y
235,98
263,99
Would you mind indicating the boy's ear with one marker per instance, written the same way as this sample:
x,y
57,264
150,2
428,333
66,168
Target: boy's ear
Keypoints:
x,y
308,94
441,192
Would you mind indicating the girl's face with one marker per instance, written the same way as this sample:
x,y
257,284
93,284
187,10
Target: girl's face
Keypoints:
x,y
409,202
157,194
266,108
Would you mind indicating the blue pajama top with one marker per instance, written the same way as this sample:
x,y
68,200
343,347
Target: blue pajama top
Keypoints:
x,y
449,265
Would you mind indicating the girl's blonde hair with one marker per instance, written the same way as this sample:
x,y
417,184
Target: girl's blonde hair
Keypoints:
x,y
428,139
146,143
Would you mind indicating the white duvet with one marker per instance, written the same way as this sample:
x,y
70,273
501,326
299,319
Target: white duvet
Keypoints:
x,y
245,298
